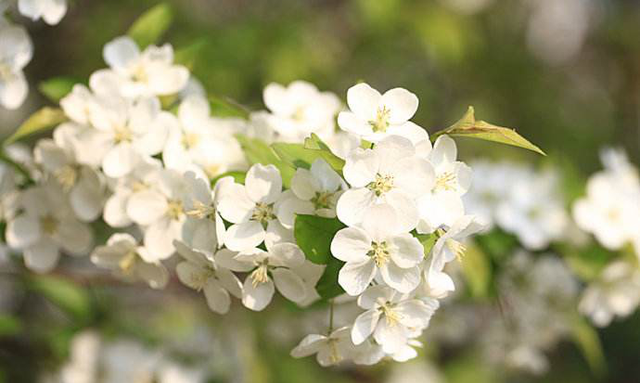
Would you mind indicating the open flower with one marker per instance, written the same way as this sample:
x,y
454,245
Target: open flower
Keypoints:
x,y
46,225
379,246
251,208
139,74
129,261
329,349
373,116
206,272
448,247
390,317
270,270
389,173
16,51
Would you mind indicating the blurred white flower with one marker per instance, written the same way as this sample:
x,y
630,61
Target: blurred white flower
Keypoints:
x,y
16,51
329,349
51,11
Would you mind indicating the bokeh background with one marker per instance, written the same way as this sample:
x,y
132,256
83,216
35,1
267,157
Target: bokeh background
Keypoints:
x,y
565,73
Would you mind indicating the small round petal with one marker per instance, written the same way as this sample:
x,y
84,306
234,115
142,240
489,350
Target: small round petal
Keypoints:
x,y
120,53
218,299
401,103
350,122
257,297
236,206
155,274
285,254
246,235
304,184
355,277
22,231
407,250
115,211
415,176
403,280
159,237
263,183
353,204
289,284
310,345
327,177
120,160
13,90
146,207
444,151
361,167
74,237
42,256
364,101
230,282
391,337
406,210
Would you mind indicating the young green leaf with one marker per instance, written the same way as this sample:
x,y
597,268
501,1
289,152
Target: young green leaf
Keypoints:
x,y
70,298
476,269
57,87
42,120
224,107
586,338
314,234
468,126
328,287
314,142
188,55
427,241
258,152
238,176
151,25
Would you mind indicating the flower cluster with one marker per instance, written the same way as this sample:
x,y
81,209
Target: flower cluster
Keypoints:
x,y
141,151
16,48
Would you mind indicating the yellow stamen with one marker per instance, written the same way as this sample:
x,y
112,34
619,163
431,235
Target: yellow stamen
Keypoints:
x,y
380,253
260,275
381,184
381,122
174,209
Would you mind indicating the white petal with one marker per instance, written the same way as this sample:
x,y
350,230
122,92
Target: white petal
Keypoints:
x,y
304,185
351,245
285,254
167,80
356,277
87,196
23,231
407,250
115,211
235,205
246,235
263,183
287,209
353,204
310,345
350,122
13,90
121,52
364,325
444,151
155,274
159,237
403,280
361,167
42,256
258,297
146,207
328,178
120,160
289,284
363,100
230,282
218,298
391,337
415,176
406,210
74,237
401,103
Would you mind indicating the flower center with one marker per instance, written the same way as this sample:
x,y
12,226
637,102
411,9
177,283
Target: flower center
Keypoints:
x,y
446,181
381,122
334,355
456,248
49,224
380,253
175,209
127,262
201,211
390,314
122,134
189,140
5,71
139,186
260,274
67,176
299,114
212,170
322,200
199,280
140,74
263,213
381,184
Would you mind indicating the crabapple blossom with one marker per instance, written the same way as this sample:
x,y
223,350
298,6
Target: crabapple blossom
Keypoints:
x,y
77,104
85,185
389,173
16,50
51,11
329,349
448,247
139,74
381,247
128,260
270,270
251,208
206,272
390,317
300,109
46,226
373,116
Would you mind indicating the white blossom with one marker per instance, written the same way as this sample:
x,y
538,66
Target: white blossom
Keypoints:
x,y
329,349
51,11
16,50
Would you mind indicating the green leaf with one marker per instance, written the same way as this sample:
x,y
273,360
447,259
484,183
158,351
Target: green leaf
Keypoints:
x,y
328,286
476,268
314,142
468,126
151,25
9,325
258,152
70,298
188,56
42,120
427,241
587,263
225,107
56,88
314,235
587,340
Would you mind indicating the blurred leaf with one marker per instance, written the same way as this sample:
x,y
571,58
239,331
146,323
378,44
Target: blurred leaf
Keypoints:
x,y
42,120
258,152
237,176
9,325
151,25
328,286
298,156
470,368
587,262
476,269
223,107
314,235
70,298
587,340
314,142
57,87
188,56
468,126
497,244
427,241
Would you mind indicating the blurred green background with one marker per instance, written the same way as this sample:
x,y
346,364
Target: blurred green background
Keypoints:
x,y
566,76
